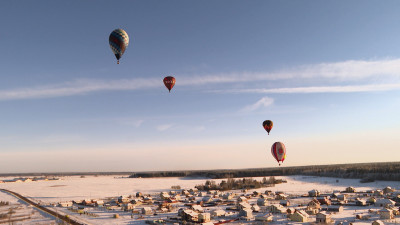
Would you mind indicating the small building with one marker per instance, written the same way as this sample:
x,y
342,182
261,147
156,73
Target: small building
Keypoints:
x,y
324,200
312,211
314,204
218,212
334,208
255,208
189,215
65,204
262,202
378,192
281,197
128,206
384,202
342,197
204,217
371,200
197,208
243,205
361,202
228,196
350,190
242,199
313,193
147,211
276,208
323,218
386,214
377,222
164,195
285,202
299,216
123,199
246,213
388,190
265,218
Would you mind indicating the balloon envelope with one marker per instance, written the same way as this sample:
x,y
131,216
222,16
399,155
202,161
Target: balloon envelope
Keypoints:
x,y
268,124
169,82
119,41
278,150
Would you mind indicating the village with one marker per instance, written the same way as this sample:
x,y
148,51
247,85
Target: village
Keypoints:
x,y
191,206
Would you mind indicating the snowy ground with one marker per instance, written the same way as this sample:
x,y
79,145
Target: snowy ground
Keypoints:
x,y
90,187
18,212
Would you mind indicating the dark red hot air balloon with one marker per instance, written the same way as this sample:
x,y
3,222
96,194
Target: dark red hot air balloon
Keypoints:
x,y
169,82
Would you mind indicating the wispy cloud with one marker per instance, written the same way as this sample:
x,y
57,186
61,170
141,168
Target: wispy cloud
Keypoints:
x,y
164,127
262,103
352,70
323,89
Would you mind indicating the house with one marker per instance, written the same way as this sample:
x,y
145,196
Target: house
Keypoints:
x,y
285,202
377,222
384,202
334,208
276,208
65,204
197,208
206,199
242,199
139,194
386,214
164,195
299,216
312,211
128,206
313,193
378,192
243,205
265,218
147,211
314,204
246,213
388,189
350,190
323,218
228,196
262,202
218,212
255,208
189,215
204,217
371,200
98,203
123,199
342,197
281,197
361,202
324,200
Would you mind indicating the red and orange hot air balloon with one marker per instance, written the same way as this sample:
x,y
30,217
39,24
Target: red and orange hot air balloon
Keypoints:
x,y
169,82
278,150
268,124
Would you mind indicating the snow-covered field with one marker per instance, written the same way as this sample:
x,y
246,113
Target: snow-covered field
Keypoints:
x,y
100,187
76,188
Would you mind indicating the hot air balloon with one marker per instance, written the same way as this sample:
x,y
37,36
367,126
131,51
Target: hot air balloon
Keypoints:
x,y
119,41
169,82
278,150
268,124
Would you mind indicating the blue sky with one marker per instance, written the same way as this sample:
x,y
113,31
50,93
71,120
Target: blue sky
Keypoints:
x,y
326,73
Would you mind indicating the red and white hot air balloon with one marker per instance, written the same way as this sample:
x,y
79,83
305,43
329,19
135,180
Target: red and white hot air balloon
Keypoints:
x,y
169,82
278,150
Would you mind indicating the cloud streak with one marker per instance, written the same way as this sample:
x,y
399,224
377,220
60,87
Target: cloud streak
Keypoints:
x,y
346,71
323,89
262,103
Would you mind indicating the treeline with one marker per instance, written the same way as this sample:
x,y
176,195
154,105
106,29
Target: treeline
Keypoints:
x,y
238,184
371,171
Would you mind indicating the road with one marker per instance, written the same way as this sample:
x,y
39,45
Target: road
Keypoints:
x,y
64,218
